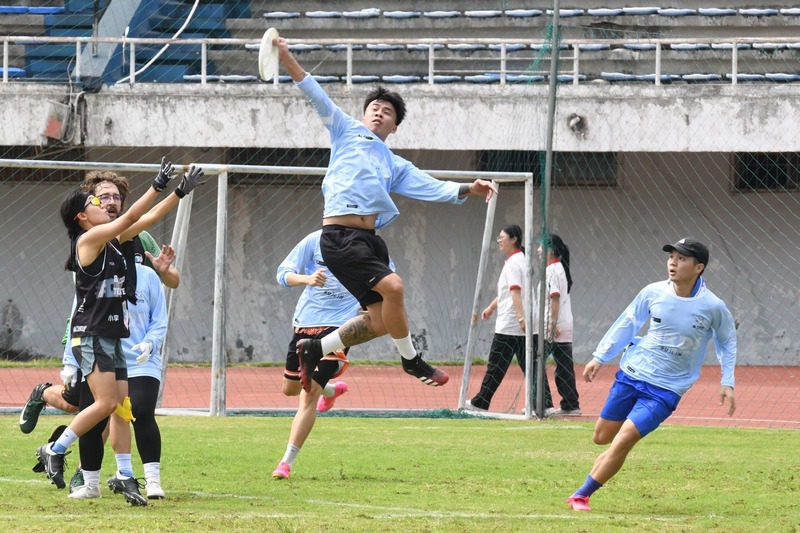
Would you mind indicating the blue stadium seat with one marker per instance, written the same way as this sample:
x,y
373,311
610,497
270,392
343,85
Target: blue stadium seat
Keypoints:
x,y
384,47
593,47
399,78
638,11
343,47
402,14
791,11
564,13
441,14
14,72
323,14
605,12
364,79
281,15
483,78
729,46
13,10
422,47
483,14
689,46
665,78
617,76
325,79
568,78
523,13
443,78
746,77
198,78
758,12
466,47
676,12
701,77
524,78
640,47
769,46
782,76
716,12
512,47
367,13
45,10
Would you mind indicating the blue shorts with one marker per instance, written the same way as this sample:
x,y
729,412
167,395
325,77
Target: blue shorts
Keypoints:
x,y
643,404
105,352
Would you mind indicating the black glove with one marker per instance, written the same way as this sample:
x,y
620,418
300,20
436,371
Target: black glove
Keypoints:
x,y
164,175
189,181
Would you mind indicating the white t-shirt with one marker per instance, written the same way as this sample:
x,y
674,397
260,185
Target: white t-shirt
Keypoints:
x,y
511,277
557,284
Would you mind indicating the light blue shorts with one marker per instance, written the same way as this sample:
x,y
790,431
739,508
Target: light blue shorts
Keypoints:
x,y
104,352
646,405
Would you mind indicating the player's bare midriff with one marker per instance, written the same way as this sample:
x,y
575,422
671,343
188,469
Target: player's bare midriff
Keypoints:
x,y
352,221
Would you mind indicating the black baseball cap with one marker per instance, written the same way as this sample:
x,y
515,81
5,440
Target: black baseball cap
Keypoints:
x,y
691,248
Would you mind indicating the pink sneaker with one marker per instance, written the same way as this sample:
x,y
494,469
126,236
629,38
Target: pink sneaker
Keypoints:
x,y
579,503
326,404
282,471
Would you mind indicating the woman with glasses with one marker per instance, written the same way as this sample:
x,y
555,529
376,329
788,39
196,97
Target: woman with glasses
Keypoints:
x,y
98,323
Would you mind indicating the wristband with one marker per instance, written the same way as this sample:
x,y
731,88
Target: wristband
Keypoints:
x,y
463,190
179,193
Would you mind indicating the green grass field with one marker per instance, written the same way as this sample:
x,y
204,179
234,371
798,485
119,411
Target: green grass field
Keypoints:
x,y
420,474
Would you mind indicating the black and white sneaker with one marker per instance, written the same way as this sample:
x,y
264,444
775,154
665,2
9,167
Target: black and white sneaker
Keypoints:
x,y
424,372
53,464
29,416
128,487
309,354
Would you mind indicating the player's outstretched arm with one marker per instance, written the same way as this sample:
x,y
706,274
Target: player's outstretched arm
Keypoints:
x,y
288,60
726,391
168,274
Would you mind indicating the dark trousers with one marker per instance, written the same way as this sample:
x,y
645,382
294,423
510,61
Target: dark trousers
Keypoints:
x,y
503,349
565,374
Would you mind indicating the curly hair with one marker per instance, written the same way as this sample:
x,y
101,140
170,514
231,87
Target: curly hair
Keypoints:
x,y
96,177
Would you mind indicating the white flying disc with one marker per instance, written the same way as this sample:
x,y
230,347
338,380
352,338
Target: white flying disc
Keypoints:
x,y
268,55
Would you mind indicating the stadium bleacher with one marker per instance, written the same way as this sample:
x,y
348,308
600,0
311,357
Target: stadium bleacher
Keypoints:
x,y
691,61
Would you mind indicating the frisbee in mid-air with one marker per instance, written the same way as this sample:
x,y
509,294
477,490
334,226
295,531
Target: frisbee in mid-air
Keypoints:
x,y
268,55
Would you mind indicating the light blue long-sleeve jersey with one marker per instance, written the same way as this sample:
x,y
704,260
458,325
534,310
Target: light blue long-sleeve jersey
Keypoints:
x,y
331,305
363,171
148,322
671,354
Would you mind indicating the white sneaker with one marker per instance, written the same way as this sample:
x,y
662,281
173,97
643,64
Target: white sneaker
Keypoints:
x,y
85,492
154,490
551,411
567,412
469,407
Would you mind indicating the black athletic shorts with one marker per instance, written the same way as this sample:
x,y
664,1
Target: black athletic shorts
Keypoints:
x,y
358,258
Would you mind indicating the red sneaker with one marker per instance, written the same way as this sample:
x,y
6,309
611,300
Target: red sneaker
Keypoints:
x,y
326,404
579,503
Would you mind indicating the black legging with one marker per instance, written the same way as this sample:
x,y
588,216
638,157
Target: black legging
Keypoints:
x,y
144,395
565,374
503,349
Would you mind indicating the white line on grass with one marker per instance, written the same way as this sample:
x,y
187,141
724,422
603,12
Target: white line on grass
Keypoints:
x,y
404,512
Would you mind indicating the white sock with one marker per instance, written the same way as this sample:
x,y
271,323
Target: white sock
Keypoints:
x,y
91,477
329,390
405,347
63,442
124,467
332,342
152,472
291,454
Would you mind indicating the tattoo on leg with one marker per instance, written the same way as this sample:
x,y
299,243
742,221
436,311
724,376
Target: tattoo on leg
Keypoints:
x,y
357,330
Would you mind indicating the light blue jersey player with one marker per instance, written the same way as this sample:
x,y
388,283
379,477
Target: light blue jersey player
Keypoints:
x,y
657,369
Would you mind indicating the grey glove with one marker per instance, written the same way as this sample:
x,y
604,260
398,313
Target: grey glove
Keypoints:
x,y
189,181
164,175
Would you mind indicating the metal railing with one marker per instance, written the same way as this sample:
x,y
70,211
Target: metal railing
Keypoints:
x,y
502,53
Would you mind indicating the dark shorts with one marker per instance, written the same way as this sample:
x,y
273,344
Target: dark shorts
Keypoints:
x,y
358,258
292,369
646,405
104,352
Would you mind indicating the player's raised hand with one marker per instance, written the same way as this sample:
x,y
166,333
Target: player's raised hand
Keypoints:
x,y
164,259
590,370
482,188
165,174
189,181
727,392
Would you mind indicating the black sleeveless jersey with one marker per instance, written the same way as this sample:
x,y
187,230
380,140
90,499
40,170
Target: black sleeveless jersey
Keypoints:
x,y
102,308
